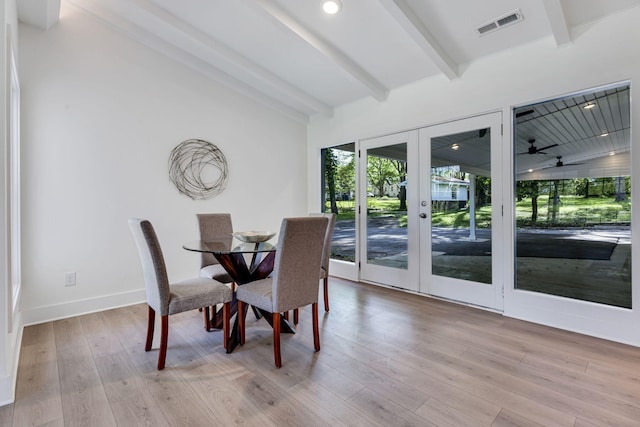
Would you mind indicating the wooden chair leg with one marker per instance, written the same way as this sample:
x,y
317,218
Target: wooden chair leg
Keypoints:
x,y
326,294
164,335
241,316
316,333
207,319
276,340
226,320
295,316
150,326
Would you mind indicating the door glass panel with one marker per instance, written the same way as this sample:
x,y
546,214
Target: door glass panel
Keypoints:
x,y
387,242
573,197
461,205
339,197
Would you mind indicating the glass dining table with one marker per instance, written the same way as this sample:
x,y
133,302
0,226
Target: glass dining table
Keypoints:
x,y
232,254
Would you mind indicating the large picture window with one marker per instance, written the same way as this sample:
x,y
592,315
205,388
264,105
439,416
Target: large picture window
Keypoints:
x,y
573,196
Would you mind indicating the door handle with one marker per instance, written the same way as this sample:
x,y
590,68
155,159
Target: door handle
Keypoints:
x,y
423,215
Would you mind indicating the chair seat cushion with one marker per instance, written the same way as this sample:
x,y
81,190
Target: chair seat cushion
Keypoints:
x,y
216,272
257,294
196,293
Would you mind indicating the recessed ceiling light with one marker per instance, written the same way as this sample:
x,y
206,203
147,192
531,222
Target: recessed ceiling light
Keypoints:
x,y
589,105
455,147
604,134
332,7
530,170
612,153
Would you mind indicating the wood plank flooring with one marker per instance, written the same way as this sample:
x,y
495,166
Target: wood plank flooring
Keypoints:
x,y
388,359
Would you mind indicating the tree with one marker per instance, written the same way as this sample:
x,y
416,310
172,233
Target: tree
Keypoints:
x,y
330,165
529,189
345,174
555,200
582,187
381,171
483,190
401,168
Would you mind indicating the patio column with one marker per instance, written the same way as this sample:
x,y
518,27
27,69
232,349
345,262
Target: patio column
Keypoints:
x,y
472,206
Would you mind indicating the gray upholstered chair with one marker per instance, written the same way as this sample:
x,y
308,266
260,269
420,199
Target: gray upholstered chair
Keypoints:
x,y
166,298
326,255
214,226
324,267
294,281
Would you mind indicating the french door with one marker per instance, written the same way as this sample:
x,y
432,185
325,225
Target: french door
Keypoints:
x,y
460,211
388,221
431,210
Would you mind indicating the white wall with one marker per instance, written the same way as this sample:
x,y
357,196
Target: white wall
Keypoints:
x,y
101,114
601,53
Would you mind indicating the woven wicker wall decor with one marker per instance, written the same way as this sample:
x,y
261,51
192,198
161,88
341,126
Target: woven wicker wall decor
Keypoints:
x,y
198,169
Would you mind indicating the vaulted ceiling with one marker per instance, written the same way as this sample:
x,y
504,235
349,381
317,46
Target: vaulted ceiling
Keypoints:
x,y
292,56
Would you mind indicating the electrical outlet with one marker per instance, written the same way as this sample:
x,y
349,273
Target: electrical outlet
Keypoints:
x,y
70,279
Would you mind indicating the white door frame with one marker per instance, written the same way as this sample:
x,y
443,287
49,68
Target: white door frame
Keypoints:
x,y
480,294
405,279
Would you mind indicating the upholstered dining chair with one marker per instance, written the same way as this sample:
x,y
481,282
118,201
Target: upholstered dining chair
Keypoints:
x,y
324,267
294,281
326,254
214,226
167,299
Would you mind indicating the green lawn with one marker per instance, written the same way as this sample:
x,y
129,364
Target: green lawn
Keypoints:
x,y
460,218
575,211
572,211
375,206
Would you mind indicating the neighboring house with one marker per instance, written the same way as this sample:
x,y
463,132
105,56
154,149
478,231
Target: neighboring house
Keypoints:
x,y
442,189
449,189
392,190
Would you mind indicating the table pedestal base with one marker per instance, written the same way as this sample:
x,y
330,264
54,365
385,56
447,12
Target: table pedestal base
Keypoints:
x,y
236,266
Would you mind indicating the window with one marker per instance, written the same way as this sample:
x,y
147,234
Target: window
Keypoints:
x,y
573,196
339,196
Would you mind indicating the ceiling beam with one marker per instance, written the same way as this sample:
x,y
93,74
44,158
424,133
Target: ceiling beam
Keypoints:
x,y
142,36
42,14
422,36
228,55
558,22
376,89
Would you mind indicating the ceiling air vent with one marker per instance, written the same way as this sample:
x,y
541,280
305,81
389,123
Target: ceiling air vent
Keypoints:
x,y
500,22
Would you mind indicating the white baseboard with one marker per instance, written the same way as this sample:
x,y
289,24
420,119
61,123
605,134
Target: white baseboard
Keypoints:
x,y
36,315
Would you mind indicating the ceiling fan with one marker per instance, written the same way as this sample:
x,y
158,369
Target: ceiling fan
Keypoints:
x,y
524,113
535,150
560,163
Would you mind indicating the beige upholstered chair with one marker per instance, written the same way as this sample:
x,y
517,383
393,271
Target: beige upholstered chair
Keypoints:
x,y
294,281
326,255
214,226
166,298
324,267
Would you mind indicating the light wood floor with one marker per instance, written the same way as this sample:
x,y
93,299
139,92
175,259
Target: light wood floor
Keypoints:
x,y
388,358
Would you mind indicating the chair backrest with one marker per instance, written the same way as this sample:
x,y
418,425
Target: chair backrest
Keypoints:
x,y
328,236
213,226
299,253
153,266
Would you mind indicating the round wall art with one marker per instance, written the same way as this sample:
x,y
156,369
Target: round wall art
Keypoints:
x,y
198,169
